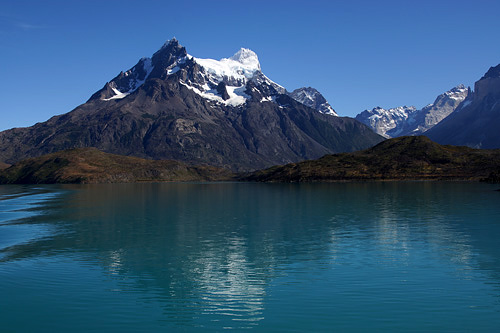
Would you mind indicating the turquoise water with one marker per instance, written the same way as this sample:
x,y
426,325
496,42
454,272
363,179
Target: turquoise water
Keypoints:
x,y
413,256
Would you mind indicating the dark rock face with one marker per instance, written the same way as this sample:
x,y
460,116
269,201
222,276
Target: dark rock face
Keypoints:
x,y
492,73
165,118
221,89
476,121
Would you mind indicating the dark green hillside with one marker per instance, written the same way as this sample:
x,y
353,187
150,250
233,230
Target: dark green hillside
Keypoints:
x,y
404,158
89,165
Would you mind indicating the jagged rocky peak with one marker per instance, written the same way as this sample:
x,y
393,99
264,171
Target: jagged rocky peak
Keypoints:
x,y
167,57
488,84
444,104
457,93
493,72
158,66
313,98
432,114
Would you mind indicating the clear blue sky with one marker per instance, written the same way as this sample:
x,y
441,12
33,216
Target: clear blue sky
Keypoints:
x,y
359,54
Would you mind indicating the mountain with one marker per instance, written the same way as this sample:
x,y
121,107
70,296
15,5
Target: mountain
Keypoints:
x,y
476,121
224,113
313,98
403,158
432,114
405,120
89,165
387,123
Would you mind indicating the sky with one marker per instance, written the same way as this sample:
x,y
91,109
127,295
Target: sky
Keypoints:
x,y
359,54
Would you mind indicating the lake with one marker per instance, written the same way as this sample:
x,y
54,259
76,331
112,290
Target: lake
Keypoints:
x,y
393,256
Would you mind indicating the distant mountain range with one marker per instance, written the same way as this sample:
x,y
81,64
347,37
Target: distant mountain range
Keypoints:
x,y
407,120
225,113
457,117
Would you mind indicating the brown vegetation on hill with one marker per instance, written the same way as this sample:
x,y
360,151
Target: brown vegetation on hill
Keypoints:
x,y
4,165
89,165
404,158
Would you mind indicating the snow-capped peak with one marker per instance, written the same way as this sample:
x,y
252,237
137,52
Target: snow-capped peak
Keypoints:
x,y
236,70
247,57
313,98
233,74
223,80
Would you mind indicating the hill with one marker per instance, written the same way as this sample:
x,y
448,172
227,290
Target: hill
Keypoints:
x,y
403,158
89,165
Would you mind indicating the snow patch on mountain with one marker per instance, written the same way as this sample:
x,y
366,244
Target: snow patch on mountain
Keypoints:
x,y
237,69
118,95
129,81
237,95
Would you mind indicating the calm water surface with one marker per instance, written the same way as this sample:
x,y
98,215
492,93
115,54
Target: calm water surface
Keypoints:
x,y
266,257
